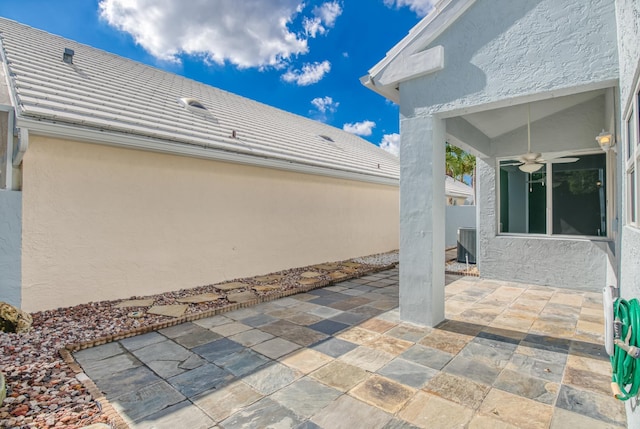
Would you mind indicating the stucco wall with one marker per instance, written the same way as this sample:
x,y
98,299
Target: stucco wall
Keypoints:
x,y
628,16
551,261
502,49
104,223
628,26
10,244
457,217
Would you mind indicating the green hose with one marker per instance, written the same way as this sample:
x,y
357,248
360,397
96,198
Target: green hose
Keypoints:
x,y
625,379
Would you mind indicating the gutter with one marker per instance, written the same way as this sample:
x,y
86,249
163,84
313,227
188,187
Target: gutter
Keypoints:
x,y
132,141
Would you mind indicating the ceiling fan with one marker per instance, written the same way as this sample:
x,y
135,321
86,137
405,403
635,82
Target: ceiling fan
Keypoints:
x,y
531,162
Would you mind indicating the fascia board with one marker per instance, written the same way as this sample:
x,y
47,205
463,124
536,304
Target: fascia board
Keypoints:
x,y
388,92
445,13
108,138
406,67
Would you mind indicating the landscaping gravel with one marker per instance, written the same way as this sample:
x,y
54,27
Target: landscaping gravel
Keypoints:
x,y
382,259
43,392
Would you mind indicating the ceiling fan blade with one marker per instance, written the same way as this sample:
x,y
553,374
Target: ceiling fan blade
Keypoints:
x,y
549,156
509,165
563,160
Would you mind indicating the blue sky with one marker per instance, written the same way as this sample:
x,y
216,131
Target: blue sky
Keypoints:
x,y
305,57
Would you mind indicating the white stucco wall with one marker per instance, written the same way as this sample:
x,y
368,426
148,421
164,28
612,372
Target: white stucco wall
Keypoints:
x,y
628,17
10,246
457,217
503,49
104,223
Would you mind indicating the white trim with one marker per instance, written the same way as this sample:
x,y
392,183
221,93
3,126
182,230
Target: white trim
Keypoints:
x,y
441,17
631,156
162,146
425,32
407,67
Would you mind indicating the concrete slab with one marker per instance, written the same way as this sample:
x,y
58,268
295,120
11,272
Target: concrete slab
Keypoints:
x,y
172,310
135,303
241,297
205,297
231,286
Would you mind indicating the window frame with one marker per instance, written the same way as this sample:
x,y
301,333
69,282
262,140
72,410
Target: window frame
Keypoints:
x,y
631,156
610,191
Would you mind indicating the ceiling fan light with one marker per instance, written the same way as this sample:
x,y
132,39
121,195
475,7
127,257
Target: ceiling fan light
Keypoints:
x,y
530,167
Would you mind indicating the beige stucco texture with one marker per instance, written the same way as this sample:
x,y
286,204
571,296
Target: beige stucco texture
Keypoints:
x,y
104,222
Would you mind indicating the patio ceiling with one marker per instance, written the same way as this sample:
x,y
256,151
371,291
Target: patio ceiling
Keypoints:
x,y
496,122
482,132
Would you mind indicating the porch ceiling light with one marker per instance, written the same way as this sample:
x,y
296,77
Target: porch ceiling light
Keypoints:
x,y
605,140
530,167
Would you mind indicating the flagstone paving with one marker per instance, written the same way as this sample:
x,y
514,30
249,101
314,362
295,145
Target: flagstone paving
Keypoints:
x,y
508,356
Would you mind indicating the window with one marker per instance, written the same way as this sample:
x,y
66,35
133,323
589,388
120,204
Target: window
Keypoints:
x,y
632,157
559,199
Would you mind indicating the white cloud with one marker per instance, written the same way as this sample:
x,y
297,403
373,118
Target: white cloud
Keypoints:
x,y
324,18
391,143
360,128
325,104
328,12
420,7
246,33
309,74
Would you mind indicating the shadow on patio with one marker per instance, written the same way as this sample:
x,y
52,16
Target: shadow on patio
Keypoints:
x,y
508,356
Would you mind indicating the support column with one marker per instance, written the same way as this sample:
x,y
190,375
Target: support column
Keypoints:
x,y
422,223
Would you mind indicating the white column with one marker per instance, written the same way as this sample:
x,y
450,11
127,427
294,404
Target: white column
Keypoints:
x,y
422,211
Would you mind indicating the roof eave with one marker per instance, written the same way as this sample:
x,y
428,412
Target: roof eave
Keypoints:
x,y
132,141
412,50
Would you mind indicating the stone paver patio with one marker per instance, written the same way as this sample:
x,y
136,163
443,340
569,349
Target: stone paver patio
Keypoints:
x,y
508,356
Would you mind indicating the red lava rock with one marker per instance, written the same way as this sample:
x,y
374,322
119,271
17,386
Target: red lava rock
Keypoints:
x,y
20,410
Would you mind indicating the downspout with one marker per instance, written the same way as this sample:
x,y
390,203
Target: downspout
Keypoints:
x,y
8,167
23,144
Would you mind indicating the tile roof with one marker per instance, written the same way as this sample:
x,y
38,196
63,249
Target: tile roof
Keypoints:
x,y
105,92
456,188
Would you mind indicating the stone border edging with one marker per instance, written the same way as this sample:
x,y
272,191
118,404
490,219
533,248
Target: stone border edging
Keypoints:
x,y
115,419
462,273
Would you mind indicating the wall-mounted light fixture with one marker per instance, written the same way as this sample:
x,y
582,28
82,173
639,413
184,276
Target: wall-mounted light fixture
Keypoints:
x,y
606,141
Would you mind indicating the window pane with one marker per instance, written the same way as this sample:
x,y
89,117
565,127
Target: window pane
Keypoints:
x,y
632,196
523,201
579,196
630,135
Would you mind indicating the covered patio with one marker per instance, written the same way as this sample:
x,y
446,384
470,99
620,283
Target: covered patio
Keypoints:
x,y
508,355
